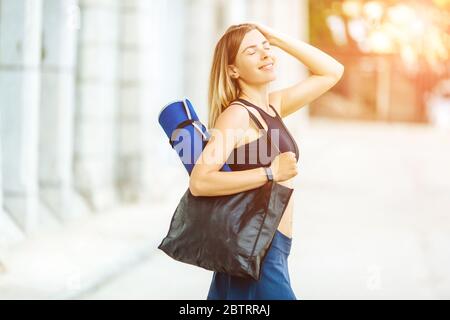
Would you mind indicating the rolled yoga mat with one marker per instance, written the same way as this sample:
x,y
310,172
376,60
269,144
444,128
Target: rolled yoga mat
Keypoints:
x,y
187,134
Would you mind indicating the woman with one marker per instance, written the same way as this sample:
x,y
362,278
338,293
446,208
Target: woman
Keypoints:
x,y
243,66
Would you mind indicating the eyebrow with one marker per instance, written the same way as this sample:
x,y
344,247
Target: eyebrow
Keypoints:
x,y
253,46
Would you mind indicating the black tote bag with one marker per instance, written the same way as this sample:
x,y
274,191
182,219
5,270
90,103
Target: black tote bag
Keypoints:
x,y
227,233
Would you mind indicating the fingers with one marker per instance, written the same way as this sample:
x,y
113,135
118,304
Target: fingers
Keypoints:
x,y
290,155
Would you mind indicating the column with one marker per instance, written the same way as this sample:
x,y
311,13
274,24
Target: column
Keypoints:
x,y
3,228
150,75
233,12
9,232
130,109
182,42
60,26
201,36
20,51
291,17
97,103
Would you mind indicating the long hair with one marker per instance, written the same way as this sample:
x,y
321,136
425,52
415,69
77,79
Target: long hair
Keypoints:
x,y
222,88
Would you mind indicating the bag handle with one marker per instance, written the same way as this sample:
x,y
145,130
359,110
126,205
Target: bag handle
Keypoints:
x,y
260,126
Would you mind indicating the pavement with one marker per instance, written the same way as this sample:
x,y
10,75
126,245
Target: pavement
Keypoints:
x,y
371,221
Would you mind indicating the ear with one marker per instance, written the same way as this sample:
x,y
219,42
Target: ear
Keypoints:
x,y
233,71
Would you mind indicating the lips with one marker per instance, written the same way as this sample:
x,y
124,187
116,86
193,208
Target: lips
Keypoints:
x,y
267,66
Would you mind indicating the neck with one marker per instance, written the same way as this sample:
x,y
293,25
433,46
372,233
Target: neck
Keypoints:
x,y
256,95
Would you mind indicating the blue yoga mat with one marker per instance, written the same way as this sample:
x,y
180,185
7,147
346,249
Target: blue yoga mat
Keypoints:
x,y
187,134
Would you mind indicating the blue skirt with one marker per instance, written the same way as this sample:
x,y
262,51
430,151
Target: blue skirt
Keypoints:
x,y
274,283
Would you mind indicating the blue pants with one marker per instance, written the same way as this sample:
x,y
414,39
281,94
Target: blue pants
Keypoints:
x,y
274,283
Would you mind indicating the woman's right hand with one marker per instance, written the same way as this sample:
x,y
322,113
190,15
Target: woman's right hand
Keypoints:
x,y
284,166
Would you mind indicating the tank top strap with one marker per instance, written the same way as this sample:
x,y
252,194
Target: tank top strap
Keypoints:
x,y
275,111
255,119
264,113
260,126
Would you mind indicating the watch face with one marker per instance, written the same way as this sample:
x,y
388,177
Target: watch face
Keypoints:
x,y
269,173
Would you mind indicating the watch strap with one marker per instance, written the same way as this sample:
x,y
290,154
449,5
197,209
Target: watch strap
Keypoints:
x,y
269,173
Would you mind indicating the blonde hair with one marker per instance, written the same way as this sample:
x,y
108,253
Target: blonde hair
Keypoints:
x,y
222,88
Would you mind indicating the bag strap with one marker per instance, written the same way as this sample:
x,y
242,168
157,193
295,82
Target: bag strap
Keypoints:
x,y
259,125
195,123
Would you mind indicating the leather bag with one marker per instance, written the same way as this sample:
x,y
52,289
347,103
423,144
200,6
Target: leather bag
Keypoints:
x,y
228,233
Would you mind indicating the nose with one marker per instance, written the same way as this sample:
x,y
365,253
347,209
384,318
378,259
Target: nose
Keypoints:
x,y
264,54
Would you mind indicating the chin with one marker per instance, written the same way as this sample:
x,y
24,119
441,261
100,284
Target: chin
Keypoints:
x,y
258,79
271,78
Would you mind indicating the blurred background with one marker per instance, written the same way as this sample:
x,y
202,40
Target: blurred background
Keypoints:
x,y
89,182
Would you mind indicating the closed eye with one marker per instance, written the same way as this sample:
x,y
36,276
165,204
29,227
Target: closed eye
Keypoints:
x,y
253,52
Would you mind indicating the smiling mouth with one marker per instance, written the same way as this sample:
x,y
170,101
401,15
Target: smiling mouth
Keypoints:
x,y
267,67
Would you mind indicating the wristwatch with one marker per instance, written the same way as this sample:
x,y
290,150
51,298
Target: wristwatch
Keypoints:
x,y
269,173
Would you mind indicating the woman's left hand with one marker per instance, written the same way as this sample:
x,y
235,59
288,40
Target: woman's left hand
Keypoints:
x,y
267,32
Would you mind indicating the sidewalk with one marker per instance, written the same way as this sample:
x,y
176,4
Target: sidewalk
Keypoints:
x,y
70,261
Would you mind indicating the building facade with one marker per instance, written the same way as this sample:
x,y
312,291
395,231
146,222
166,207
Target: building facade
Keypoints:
x,y
81,85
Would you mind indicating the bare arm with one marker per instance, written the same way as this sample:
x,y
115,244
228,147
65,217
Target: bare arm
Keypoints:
x,y
326,71
319,62
206,179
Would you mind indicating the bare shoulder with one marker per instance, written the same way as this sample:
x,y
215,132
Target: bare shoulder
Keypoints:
x,y
231,125
233,117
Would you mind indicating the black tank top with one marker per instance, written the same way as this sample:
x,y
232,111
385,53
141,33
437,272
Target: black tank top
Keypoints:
x,y
255,154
